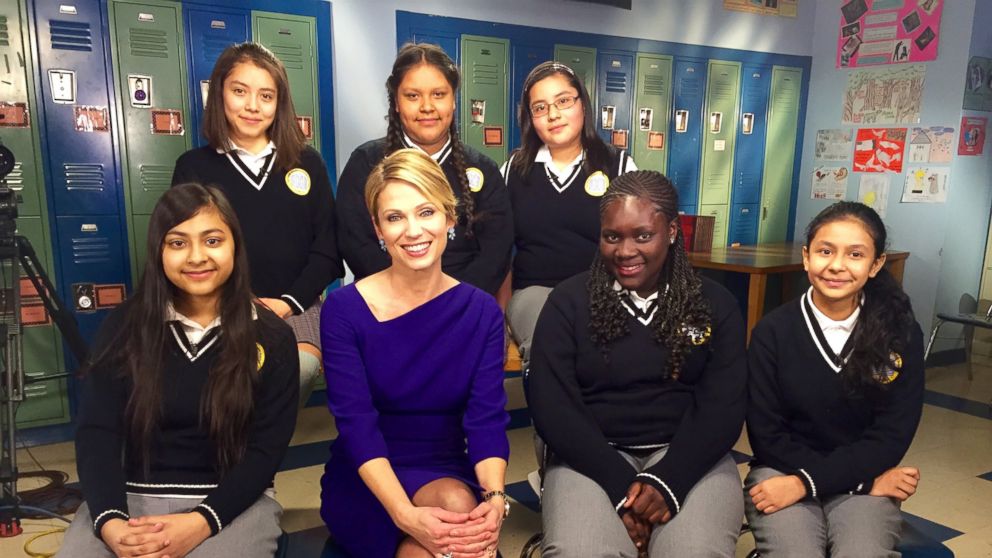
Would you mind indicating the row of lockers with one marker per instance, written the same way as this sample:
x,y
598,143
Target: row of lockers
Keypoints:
x,y
98,99
722,124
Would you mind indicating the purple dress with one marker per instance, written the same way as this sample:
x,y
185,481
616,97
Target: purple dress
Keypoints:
x,y
424,390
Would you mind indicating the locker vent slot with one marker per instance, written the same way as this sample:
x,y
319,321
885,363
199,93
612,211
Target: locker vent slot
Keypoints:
x,y
71,35
150,43
722,88
290,54
4,33
156,177
750,180
214,44
786,94
485,74
689,86
16,177
654,84
91,250
616,82
84,176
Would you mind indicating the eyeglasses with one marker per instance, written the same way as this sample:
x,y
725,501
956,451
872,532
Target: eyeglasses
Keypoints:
x,y
538,110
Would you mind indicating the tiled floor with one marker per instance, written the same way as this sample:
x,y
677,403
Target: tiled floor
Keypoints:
x,y
953,449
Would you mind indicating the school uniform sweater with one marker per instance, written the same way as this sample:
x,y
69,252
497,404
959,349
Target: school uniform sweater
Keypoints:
x,y
801,422
287,221
585,407
556,220
482,260
182,458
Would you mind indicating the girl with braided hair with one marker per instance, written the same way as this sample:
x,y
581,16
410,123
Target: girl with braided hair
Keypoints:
x,y
555,180
422,90
637,385
836,394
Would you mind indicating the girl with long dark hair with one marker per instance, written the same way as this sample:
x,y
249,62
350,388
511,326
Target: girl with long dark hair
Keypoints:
x,y
422,91
278,186
556,180
188,402
836,393
637,386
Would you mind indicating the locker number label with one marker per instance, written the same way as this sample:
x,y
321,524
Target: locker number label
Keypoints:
x,y
63,84
140,88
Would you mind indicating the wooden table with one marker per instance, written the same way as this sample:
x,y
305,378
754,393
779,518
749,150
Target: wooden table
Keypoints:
x,y
761,260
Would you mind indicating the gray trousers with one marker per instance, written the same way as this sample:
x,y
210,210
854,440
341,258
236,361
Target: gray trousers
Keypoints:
x,y
253,534
840,526
580,520
521,313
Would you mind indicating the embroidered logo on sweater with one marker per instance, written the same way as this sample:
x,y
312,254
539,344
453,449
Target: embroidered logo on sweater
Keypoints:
x,y
597,183
698,336
261,355
889,373
475,179
298,181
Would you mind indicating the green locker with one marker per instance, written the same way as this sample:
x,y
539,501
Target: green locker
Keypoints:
x,y
652,104
583,61
721,213
484,93
294,40
719,132
45,402
780,148
148,52
138,239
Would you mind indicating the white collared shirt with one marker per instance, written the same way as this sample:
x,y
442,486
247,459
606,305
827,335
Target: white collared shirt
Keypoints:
x,y
194,331
439,156
562,174
835,331
254,161
644,307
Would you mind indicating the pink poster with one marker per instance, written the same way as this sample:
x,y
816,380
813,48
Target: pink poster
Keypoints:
x,y
888,32
972,135
879,149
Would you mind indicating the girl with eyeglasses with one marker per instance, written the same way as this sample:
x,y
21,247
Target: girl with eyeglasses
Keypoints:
x,y
422,91
555,180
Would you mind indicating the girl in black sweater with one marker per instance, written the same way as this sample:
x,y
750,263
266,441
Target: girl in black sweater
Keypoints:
x,y
556,180
836,392
189,401
421,90
637,384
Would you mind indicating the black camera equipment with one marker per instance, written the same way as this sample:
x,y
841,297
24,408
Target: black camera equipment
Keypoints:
x,y
18,256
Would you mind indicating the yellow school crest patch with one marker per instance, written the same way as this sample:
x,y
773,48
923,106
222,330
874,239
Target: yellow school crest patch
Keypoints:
x,y
597,184
298,181
475,179
261,355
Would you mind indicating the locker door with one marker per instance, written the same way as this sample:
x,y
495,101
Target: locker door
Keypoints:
x,y
209,32
719,211
448,42
780,148
746,192
720,131
616,76
83,167
652,102
523,59
685,131
582,60
149,47
483,96
293,39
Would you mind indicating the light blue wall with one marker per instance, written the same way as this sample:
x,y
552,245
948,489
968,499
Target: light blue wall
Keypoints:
x,y
946,240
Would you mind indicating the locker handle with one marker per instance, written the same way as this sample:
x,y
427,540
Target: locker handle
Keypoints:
x,y
716,121
681,121
748,123
764,212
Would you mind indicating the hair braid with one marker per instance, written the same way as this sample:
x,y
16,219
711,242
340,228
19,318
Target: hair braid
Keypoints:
x,y
458,158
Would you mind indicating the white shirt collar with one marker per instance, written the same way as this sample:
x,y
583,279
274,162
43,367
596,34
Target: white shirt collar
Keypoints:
x,y
828,324
193,330
644,308
439,156
245,154
544,156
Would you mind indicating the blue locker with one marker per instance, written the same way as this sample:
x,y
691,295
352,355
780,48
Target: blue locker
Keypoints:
x,y
616,96
448,42
208,33
686,128
78,118
746,192
523,59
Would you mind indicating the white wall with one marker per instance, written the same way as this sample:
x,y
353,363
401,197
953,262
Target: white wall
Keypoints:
x,y
365,40
945,240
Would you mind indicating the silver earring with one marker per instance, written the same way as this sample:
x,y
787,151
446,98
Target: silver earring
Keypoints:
x,y
451,233
671,240
382,245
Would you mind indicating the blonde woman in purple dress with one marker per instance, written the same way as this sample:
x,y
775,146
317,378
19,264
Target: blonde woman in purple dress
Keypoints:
x,y
414,365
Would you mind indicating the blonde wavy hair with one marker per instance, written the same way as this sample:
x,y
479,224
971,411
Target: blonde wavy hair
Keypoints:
x,y
416,168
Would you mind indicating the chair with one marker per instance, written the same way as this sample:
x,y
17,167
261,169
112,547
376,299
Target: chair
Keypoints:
x,y
970,321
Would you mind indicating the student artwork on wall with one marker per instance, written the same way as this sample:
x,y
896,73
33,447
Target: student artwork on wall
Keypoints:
x,y
833,145
787,8
888,32
926,185
931,145
884,95
829,183
879,150
978,85
873,191
972,140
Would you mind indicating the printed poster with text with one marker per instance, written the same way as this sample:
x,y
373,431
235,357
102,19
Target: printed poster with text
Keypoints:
x,y
889,95
879,150
787,8
972,139
876,32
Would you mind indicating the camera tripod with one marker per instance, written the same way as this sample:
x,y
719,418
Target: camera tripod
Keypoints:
x,y
16,253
